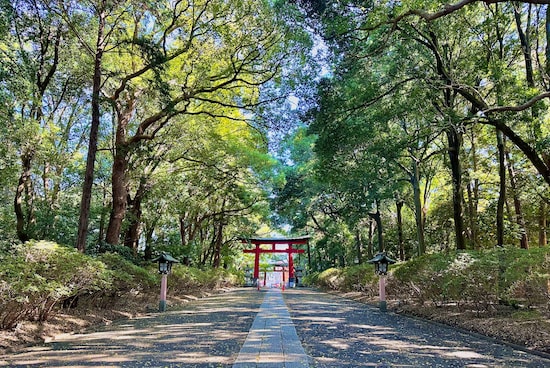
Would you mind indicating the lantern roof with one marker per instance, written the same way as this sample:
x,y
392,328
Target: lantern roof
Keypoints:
x,y
165,257
382,258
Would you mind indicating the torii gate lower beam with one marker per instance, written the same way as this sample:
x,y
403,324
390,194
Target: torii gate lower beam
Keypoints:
x,y
274,241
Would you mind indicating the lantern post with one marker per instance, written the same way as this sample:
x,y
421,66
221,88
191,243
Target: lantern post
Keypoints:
x,y
165,262
381,263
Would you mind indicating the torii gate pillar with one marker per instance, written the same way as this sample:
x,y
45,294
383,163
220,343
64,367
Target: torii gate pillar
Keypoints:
x,y
256,252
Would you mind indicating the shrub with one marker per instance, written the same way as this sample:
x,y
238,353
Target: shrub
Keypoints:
x,y
39,274
122,250
330,279
422,278
476,279
128,277
360,278
525,276
184,279
311,279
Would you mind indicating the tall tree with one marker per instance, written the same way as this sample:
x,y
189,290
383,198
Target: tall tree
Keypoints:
x,y
45,84
206,57
102,11
464,84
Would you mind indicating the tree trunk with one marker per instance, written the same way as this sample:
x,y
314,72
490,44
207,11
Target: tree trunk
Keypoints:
x,y
525,44
308,256
473,198
358,246
520,220
94,130
370,248
455,141
103,216
378,219
131,238
399,205
418,210
187,232
502,189
341,259
23,194
219,236
472,233
120,195
119,181
542,224
218,246
150,230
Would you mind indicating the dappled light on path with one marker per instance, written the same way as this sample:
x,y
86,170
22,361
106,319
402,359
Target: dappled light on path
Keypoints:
x,y
337,332
272,340
206,333
307,328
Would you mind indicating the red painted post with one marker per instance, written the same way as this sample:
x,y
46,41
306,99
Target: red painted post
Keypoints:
x,y
290,265
163,287
273,241
382,292
257,262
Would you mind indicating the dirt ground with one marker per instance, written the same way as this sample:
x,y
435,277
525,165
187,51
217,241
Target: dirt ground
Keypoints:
x,y
527,328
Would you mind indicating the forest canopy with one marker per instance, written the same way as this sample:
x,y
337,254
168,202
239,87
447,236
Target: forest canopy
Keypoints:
x,y
410,127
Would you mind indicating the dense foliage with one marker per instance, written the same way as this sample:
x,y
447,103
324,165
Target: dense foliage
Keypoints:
x,y
128,128
37,276
429,127
39,279
139,127
477,280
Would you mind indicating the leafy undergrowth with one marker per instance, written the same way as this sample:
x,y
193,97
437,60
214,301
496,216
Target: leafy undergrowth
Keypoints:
x,y
502,293
47,289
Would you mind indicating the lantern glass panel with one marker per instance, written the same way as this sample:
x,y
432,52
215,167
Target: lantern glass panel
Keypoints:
x,y
163,267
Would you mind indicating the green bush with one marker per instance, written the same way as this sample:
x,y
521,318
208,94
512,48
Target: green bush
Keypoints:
x,y
38,275
525,276
354,278
310,279
330,279
476,279
122,250
422,278
184,279
127,276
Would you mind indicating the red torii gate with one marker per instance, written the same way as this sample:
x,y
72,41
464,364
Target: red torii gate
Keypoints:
x,y
274,241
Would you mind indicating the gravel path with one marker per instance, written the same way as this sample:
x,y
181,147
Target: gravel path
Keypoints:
x,y
337,332
333,331
208,332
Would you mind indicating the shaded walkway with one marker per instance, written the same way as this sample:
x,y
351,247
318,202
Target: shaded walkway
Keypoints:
x,y
337,332
206,333
272,340
231,330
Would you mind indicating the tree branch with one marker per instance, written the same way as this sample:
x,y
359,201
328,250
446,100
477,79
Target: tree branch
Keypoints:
x,y
521,107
